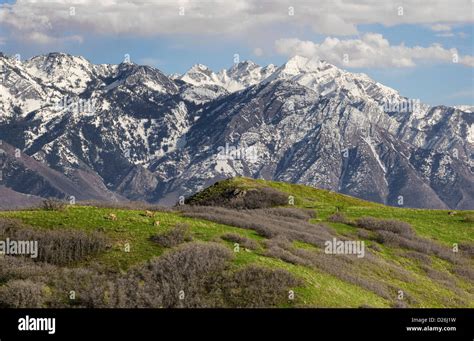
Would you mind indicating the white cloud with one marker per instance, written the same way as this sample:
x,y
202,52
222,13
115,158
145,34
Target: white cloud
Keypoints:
x,y
149,18
371,50
440,27
45,39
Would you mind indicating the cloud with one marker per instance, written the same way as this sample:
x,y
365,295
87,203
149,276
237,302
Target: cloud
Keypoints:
x,y
371,50
45,39
209,17
440,27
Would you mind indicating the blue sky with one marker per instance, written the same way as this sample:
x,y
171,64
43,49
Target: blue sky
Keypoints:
x,y
412,52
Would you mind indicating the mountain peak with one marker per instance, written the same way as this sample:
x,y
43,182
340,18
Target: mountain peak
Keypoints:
x,y
237,77
328,79
299,64
200,67
199,74
297,59
57,54
57,57
246,64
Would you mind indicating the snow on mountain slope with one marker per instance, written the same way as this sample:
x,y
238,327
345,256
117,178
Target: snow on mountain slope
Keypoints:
x,y
66,72
466,108
327,80
239,76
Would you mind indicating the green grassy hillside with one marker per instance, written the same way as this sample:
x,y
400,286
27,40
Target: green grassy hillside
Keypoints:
x,y
419,270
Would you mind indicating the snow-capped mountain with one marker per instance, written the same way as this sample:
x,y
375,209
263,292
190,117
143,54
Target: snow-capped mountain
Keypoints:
x,y
130,131
466,108
239,76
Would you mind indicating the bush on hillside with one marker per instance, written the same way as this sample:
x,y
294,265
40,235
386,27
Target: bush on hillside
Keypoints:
x,y
290,212
53,205
57,246
469,218
394,226
177,235
261,197
241,240
22,294
467,248
12,267
181,278
338,217
258,287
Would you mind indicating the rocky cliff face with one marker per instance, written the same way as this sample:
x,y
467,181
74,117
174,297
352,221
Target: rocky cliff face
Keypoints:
x,y
133,132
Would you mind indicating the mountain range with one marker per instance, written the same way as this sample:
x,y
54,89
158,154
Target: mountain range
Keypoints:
x,y
70,128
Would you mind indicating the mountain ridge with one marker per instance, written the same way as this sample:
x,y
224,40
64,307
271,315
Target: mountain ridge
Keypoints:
x,y
148,136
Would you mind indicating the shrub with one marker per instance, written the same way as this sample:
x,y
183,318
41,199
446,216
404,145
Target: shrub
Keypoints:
x,y
194,258
418,256
23,268
53,205
67,246
436,274
394,226
59,246
8,226
388,238
364,234
22,294
338,217
230,217
422,245
375,247
91,288
256,286
177,235
200,272
280,247
465,271
241,240
399,304
290,212
469,218
285,255
467,248
443,252
394,239
191,269
261,197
